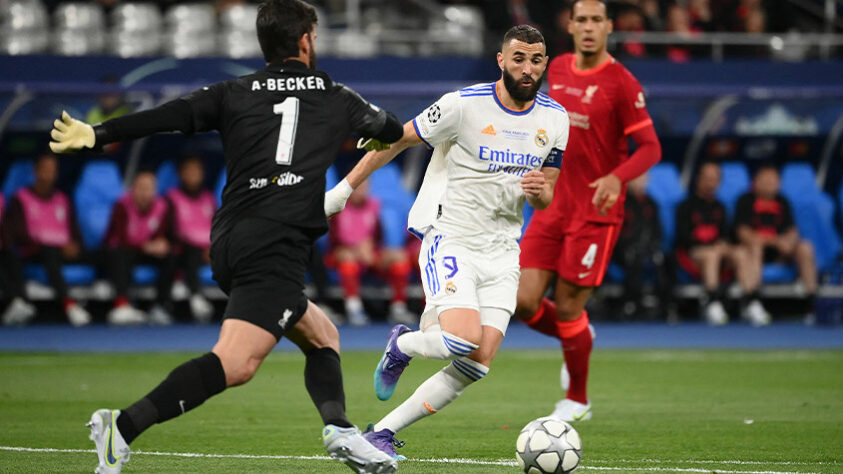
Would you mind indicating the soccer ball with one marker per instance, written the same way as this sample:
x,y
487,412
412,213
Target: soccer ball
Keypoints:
x,y
548,446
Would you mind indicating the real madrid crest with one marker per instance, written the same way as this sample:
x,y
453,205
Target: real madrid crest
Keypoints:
x,y
541,137
450,288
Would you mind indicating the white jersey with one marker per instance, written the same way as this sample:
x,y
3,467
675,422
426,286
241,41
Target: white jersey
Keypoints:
x,y
471,189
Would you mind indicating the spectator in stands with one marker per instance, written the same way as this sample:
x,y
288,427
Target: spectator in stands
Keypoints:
x,y
704,251
629,18
40,227
109,104
137,235
764,226
19,310
639,250
678,22
354,239
193,208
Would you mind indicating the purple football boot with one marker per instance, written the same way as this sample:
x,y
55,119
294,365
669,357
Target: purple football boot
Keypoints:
x,y
391,365
385,441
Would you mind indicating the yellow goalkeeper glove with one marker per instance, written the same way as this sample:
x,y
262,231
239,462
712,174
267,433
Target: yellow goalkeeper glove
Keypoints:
x,y
370,144
71,135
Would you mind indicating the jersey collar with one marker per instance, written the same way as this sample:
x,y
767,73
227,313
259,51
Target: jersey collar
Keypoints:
x,y
594,70
286,64
508,110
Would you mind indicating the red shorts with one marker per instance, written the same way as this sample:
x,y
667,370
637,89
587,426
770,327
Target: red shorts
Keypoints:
x,y
578,252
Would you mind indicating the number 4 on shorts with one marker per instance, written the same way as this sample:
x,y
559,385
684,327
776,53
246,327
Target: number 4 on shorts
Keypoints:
x,y
588,259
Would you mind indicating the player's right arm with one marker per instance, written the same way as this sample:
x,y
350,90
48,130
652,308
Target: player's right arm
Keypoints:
x,y
195,112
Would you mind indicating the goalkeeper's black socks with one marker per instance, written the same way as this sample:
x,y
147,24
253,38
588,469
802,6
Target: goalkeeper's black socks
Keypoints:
x,y
187,387
323,379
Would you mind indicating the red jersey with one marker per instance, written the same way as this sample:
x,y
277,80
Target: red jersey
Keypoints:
x,y
605,105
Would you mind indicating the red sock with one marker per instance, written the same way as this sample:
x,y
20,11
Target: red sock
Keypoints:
x,y
121,301
349,278
398,273
544,320
67,302
576,347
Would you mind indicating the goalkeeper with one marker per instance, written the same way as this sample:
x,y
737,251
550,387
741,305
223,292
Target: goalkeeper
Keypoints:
x,y
281,128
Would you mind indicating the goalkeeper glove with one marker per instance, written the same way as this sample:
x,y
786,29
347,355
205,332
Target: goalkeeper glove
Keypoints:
x,y
71,135
335,198
371,144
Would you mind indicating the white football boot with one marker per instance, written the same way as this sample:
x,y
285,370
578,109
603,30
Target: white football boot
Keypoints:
x,y
77,315
201,309
756,314
348,446
571,411
125,315
19,312
112,449
715,314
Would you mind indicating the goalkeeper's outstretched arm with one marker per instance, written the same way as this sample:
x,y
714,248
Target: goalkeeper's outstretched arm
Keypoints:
x,y
378,156
71,135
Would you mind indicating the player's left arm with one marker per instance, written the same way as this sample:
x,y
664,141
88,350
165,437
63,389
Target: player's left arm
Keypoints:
x,y
337,196
638,125
195,112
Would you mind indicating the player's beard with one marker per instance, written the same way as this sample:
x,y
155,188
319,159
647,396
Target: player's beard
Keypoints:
x,y
519,92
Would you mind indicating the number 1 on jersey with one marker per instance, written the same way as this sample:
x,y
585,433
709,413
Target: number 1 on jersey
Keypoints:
x,y
289,112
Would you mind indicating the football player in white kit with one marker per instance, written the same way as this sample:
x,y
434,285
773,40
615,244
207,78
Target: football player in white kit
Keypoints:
x,y
495,145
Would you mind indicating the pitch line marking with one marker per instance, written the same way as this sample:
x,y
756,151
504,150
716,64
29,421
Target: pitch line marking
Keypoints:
x,y
446,461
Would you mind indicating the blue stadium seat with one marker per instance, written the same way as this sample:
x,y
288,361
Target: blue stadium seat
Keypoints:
x,y
98,188
385,184
218,188
735,182
168,177
799,181
73,274
206,276
20,174
778,273
144,274
666,189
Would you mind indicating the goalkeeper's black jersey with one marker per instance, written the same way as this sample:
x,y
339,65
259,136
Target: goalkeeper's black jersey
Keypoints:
x,y
281,129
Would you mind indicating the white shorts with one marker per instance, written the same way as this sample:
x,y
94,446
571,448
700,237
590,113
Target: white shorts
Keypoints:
x,y
455,276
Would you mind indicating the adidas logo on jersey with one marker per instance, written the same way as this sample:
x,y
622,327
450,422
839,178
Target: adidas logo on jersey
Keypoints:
x,y
287,179
490,130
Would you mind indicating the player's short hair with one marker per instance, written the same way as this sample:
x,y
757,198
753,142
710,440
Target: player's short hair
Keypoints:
x,y
280,24
604,2
523,33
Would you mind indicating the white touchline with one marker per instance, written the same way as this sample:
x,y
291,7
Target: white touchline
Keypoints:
x,y
501,462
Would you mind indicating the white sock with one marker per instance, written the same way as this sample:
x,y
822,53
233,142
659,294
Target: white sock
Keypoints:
x,y
434,343
434,394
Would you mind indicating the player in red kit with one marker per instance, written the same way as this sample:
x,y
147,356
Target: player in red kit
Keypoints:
x,y
574,237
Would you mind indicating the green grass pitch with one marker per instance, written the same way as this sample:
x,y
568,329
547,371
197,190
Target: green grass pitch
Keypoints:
x,y
654,411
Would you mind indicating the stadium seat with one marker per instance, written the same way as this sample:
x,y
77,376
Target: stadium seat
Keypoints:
x,y
219,187
813,211
735,182
99,187
206,276
191,30
74,274
237,37
79,29
25,27
385,184
168,177
144,274
136,29
666,189
799,181
20,174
